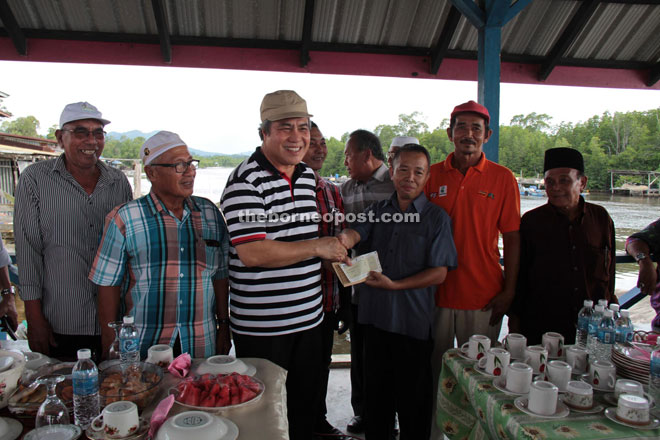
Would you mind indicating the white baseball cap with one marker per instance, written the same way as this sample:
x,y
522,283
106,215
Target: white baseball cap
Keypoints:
x,y
158,144
81,110
400,141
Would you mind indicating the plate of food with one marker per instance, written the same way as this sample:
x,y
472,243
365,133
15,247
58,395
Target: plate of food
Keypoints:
x,y
218,393
138,383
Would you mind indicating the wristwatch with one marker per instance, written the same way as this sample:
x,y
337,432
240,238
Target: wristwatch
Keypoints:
x,y
640,256
7,291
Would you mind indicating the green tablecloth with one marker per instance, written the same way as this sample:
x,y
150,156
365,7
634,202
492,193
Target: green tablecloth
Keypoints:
x,y
470,407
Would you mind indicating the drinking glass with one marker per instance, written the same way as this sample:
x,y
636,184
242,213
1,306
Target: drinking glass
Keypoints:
x,y
52,411
114,351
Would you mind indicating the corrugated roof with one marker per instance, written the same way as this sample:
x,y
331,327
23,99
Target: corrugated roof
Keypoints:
x,y
618,34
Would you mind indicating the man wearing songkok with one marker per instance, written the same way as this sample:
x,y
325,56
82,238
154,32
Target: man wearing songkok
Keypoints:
x,y
567,253
331,212
275,255
397,305
483,201
58,220
170,247
369,182
397,143
640,245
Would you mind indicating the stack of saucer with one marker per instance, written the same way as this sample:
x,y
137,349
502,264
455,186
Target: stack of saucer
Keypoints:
x,y
631,362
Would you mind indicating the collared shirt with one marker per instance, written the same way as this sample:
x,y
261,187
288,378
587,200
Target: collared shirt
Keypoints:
x,y
170,265
651,236
260,203
562,263
405,249
482,204
330,206
357,196
57,227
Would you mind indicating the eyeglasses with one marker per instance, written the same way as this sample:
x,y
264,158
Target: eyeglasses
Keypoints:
x,y
179,167
82,133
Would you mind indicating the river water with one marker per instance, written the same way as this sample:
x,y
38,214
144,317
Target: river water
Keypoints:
x,y
629,214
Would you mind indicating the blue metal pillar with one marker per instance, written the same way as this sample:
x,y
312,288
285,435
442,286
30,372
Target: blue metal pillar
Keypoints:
x,y
489,22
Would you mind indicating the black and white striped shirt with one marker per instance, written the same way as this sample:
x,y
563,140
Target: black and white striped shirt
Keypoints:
x,y
272,301
57,227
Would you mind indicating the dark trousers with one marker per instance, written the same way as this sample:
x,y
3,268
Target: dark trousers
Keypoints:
x,y
399,381
300,354
357,363
328,327
68,346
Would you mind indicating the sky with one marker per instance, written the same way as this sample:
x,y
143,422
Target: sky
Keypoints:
x,y
218,110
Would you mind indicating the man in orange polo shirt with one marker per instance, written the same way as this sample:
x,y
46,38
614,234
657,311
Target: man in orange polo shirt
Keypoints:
x,y
482,199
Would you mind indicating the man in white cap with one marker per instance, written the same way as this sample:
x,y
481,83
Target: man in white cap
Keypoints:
x,y
275,255
171,247
397,143
58,220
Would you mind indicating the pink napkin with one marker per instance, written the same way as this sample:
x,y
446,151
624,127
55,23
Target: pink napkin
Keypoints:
x,y
160,414
180,367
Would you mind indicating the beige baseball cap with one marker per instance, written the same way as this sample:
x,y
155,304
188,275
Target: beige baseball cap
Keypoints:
x,y
158,144
283,104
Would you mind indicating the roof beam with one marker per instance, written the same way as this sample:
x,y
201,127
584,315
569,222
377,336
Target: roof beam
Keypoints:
x,y
307,32
439,52
572,30
471,11
654,75
514,9
13,29
160,14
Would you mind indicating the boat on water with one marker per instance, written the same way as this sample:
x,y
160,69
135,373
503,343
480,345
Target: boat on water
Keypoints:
x,y
530,191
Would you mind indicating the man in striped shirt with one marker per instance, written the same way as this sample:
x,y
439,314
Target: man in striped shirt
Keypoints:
x,y
274,258
58,220
172,248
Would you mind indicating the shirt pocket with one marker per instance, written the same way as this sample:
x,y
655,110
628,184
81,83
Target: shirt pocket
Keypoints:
x,y
597,262
209,253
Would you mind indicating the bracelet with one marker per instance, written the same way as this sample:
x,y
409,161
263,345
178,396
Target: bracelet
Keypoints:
x,y
7,291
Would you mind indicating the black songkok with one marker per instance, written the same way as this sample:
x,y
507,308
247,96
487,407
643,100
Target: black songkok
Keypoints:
x,y
563,158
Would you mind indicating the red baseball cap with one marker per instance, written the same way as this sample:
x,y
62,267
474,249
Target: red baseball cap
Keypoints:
x,y
471,107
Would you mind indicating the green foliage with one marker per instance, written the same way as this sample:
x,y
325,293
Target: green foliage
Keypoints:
x,y
123,148
23,126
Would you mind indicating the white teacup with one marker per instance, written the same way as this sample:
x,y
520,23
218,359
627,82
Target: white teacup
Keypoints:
x,y
577,358
495,362
579,395
536,357
628,386
554,343
518,377
476,346
559,373
161,354
118,420
515,343
633,409
602,375
543,398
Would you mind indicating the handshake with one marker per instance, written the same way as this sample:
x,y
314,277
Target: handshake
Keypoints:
x,y
335,249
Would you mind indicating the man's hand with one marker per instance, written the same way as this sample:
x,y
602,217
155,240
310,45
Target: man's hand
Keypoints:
x,y
377,279
8,307
40,337
647,277
499,305
329,248
223,340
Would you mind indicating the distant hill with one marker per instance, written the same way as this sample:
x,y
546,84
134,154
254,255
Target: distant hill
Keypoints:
x,y
137,133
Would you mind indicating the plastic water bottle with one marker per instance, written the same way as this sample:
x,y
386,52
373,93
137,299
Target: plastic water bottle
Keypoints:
x,y
606,337
85,377
624,327
602,302
129,344
615,310
584,316
596,316
654,373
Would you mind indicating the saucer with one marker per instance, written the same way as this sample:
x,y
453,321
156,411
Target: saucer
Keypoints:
x,y
560,412
595,409
484,372
464,355
61,432
610,413
500,384
609,398
139,434
14,429
585,378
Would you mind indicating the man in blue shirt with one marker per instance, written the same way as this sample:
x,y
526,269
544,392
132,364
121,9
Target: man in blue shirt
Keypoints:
x,y
413,239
